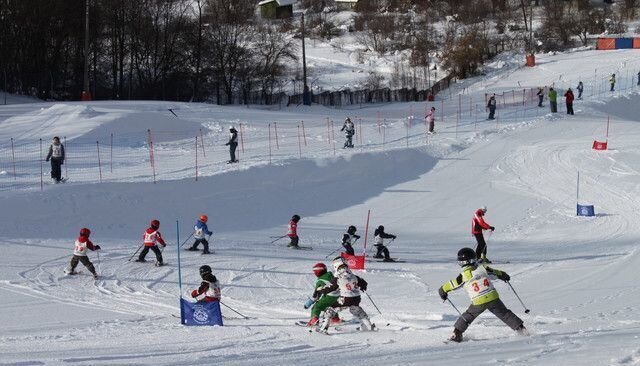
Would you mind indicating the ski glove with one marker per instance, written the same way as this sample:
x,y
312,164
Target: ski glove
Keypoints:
x,y
98,247
443,294
505,277
492,228
393,237
363,287
194,293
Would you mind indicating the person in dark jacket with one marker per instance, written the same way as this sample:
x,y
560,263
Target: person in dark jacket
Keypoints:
x,y
349,239
56,155
540,95
492,107
379,236
580,89
233,144
568,97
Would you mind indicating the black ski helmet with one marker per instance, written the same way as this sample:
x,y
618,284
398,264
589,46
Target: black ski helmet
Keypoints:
x,y
381,228
295,218
466,256
351,230
205,270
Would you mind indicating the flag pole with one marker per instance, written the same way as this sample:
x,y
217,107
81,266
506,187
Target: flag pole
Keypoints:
x,y
179,270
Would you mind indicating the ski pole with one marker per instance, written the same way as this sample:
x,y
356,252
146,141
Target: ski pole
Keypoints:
x,y
99,268
230,308
374,304
277,238
186,240
450,302
327,256
526,310
134,254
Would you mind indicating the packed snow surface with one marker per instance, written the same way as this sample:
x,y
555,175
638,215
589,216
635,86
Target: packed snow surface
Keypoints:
x,y
576,274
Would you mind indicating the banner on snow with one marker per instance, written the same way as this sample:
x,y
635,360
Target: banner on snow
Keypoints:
x,y
586,210
599,145
354,261
200,313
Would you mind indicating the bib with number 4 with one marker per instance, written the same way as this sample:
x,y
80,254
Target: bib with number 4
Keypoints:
x,y
479,284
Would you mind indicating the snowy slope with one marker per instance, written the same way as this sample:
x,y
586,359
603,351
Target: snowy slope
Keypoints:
x,y
575,274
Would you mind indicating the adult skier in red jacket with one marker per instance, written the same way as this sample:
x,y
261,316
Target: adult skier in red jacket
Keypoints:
x,y
477,226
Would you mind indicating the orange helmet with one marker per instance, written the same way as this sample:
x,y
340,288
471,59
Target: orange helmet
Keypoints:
x,y
204,218
155,224
85,232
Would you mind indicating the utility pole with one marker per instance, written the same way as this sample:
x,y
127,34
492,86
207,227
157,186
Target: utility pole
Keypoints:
x,y
86,94
306,97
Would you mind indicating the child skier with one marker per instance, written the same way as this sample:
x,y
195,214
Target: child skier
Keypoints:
x,y
475,279
292,232
209,290
431,119
349,131
80,253
349,286
199,231
323,301
152,236
378,241
348,240
477,225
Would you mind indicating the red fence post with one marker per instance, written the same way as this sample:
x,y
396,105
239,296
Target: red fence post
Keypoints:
x,y
608,120
299,144
204,154
378,121
304,134
151,155
275,129
111,155
99,165
442,110
13,157
384,134
333,140
328,132
269,143
196,150
41,168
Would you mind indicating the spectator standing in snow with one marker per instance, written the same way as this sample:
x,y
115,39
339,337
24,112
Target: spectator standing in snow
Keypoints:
x,y
349,130
553,100
56,155
431,119
540,95
580,89
569,100
233,144
492,107
612,81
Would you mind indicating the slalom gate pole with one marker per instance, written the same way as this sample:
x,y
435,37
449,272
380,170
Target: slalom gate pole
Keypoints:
x,y
186,240
526,310
278,238
230,308
99,268
450,302
136,252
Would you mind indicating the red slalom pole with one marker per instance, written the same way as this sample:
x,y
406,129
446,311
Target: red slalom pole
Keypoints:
x,y
204,155
333,140
66,165
275,129
328,132
151,156
99,165
299,144
360,129
366,232
608,120
241,138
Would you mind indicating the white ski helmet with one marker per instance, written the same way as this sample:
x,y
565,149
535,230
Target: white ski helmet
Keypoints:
x,y
483,209
337,263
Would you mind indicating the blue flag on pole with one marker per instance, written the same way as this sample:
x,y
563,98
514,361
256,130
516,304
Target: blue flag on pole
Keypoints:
x,y
586,210
200,313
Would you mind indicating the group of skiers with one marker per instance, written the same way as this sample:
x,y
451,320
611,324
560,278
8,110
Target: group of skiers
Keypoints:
x,y
569,97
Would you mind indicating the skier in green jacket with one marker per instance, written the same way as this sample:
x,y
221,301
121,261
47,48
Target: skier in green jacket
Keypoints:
x,y
475,279
320,304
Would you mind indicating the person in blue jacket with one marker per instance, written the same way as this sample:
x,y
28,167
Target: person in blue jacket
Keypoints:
x,y
199,231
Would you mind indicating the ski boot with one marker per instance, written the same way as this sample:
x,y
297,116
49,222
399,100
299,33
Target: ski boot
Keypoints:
x,y
523,331
313,321
388,260
141,260
456,336
192,249
366,325
95,276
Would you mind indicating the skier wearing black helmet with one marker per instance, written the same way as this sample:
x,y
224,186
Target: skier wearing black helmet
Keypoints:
x,y
349,239
209,289
476,280
378,242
